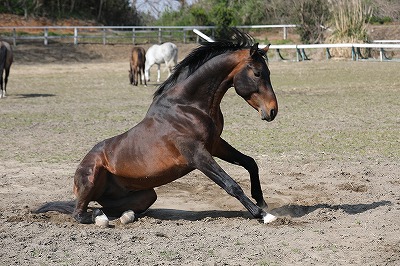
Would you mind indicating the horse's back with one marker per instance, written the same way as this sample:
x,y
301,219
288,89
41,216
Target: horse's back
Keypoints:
x,y
169,50
162,53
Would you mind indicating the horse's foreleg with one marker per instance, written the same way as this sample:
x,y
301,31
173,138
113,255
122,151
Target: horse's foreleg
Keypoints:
x,y
89,184
203,161
228,153
147,73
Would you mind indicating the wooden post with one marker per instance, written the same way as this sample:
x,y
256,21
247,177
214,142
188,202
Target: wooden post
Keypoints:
x,y
133,36
75,36
46,36
14,37
328,54
159,36
104,37
298,54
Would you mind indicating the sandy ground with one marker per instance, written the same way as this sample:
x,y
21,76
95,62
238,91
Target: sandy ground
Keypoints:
x,y
331,211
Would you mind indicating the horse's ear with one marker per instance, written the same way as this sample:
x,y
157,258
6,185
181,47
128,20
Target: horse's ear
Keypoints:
x,y
254,49
266,48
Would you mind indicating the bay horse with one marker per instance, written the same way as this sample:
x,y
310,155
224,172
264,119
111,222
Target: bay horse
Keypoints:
x,y
6,59
137,63
166,53
180,132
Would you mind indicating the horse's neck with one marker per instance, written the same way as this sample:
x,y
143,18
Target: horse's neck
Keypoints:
x,y
203,89
209,83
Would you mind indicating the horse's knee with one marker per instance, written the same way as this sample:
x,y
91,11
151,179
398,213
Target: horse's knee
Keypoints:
x,y
83,217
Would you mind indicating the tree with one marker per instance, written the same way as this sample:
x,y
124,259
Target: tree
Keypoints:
x,y
312,15
224,17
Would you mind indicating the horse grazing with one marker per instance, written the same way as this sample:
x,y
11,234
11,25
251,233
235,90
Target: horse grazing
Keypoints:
x,y
137,63
180,132
6,59
159,54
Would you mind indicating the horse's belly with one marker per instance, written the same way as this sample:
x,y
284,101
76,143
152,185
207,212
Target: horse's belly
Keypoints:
x,y
140,182
154,168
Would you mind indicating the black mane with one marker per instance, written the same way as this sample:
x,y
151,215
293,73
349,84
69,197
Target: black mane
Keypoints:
x,y
203,53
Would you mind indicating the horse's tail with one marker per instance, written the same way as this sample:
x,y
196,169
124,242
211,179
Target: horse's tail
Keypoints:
x,y
66,207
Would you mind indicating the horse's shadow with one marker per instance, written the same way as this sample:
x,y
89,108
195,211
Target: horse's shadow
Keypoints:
x,y
294,211
301,210
174,214
35,95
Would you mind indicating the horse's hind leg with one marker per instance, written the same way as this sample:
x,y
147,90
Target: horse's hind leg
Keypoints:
x,y
137,201
5,81
1,85
158,73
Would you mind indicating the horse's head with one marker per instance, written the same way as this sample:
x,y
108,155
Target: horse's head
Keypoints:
x,y
252,82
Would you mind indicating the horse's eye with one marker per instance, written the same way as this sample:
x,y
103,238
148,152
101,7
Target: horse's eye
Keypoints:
x,y
257,73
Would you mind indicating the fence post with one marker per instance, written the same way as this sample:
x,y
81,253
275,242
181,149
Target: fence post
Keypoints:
x,y
133,36
159,36
14,37
184,36
104,36
284,33
46,35
298,54
328,54
75,36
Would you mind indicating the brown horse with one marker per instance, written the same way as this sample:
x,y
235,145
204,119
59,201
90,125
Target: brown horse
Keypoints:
x,y
180,132
6,59
137,63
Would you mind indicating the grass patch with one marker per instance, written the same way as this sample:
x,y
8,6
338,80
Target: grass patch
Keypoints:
x,y
328,109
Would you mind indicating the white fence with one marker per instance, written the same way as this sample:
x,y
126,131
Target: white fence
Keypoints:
x,y
354,47
114,34
301,54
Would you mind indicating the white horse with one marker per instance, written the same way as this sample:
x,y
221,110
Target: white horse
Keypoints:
x,y
158,54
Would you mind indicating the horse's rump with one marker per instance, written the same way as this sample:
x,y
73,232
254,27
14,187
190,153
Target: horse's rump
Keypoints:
x,y
3,56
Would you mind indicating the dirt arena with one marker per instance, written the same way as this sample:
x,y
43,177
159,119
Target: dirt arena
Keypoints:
x,y
329,167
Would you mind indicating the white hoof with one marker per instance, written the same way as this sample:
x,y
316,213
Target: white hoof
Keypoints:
x,y
127,217
101,221
269,218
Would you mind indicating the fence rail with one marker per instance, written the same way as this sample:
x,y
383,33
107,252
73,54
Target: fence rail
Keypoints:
x,y
113,34
355,49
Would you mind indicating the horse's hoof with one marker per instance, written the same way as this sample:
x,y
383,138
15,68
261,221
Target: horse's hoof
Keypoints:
x,y
127,217
100,219
268,218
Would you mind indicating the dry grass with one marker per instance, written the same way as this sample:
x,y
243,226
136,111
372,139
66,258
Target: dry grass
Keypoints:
x,y
349,22
327,108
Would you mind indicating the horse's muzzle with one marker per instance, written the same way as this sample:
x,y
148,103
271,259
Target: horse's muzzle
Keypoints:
x,y
268,116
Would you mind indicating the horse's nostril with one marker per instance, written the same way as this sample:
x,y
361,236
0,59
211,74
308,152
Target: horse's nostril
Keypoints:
x,y
272,114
